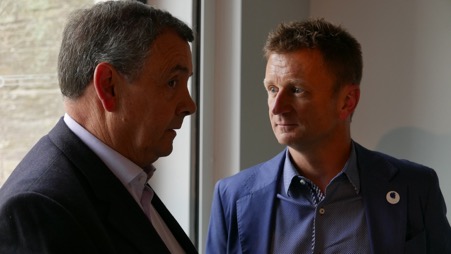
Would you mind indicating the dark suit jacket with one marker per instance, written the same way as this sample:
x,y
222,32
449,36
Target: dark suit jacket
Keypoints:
x,y
242,216
62,198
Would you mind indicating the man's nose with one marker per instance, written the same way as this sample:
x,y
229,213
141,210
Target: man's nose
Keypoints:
x,y
279,104
188,105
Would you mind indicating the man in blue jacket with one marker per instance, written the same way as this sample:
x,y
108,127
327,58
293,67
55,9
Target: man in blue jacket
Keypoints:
x,y
324,193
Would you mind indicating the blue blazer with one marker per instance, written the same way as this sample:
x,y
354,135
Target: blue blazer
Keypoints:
x,y
243,210
62,198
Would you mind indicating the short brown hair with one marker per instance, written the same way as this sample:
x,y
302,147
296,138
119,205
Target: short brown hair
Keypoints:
x,y
340,50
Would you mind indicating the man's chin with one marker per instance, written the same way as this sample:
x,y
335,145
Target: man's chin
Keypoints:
x,y
284,139
166,152
167,149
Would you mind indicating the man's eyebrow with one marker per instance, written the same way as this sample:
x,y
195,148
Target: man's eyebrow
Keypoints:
x,y
293,81
267,82
180,68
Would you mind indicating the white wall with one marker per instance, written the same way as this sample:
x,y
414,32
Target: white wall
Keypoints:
x,y
219,100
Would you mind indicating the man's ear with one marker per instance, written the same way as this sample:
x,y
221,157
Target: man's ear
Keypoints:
x,y
351,99
104,84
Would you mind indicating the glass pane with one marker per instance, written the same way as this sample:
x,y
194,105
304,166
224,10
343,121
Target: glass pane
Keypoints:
x,y
30,101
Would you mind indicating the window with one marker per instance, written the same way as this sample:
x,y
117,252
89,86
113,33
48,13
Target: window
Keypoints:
x,y
30,100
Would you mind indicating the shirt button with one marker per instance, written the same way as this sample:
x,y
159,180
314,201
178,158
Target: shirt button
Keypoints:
x,y
322,211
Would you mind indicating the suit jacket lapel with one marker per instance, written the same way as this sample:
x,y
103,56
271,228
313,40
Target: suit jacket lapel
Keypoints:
x,y
255,211
173,225
120,208
386,222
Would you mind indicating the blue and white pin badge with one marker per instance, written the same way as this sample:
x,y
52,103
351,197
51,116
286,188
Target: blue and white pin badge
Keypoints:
x,y
393,197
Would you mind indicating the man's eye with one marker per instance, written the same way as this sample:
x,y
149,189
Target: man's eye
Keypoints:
x,y
172,83
297,90
272,89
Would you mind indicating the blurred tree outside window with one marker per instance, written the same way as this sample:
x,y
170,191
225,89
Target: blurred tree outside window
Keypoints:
x,y
30,100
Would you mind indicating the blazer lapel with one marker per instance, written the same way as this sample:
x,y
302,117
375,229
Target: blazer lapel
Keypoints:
x,y
255,211
385,214
173,225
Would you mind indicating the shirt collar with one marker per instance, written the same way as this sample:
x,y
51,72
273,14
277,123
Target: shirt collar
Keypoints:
x,y
349,169
289,171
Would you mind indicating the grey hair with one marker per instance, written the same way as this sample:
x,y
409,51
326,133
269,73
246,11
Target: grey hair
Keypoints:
x,y
117,32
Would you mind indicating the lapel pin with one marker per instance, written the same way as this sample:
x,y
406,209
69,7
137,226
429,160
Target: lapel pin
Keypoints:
x,y
393,197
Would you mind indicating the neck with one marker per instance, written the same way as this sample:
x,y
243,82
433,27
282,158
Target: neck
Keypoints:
x,y
87,112
322,164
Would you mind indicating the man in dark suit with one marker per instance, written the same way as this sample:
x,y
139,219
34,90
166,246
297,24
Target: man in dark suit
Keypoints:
x,y
324,193
123,71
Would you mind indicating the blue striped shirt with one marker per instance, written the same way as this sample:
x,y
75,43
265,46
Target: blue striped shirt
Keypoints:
x,y
308,221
